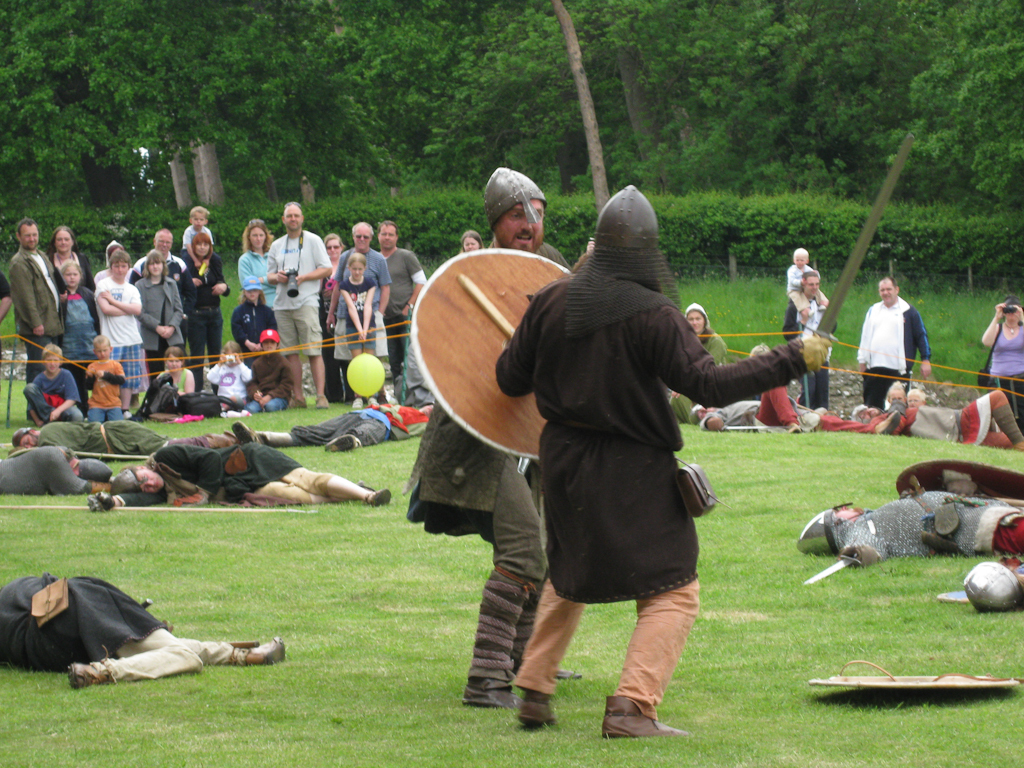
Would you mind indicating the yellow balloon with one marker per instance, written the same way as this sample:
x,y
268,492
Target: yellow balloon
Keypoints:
x,y
365,375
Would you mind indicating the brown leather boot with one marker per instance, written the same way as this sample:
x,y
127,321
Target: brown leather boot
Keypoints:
x,y
99,487
268,653
84,675
221,441
535,710
623,718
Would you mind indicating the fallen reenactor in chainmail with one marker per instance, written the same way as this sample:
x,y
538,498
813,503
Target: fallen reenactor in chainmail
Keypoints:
x,y
100,635
946,508
52,471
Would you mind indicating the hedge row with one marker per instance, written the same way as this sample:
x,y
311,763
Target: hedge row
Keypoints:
x,y
699,229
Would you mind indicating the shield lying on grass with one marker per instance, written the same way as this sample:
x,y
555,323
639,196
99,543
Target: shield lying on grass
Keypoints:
x,y
885,681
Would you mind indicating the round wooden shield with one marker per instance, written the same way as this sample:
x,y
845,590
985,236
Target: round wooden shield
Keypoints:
x,y
992,481
458,338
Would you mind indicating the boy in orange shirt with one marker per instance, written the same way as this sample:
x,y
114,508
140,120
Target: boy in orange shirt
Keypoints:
x,y
105,377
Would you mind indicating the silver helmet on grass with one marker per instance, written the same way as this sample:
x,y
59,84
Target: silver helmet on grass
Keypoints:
x,y
993,587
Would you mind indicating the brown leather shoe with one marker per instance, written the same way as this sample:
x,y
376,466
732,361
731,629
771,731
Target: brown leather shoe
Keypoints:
x,y
623,719
379,498
489,693
246,434
535,711
268,653
84,675
296,402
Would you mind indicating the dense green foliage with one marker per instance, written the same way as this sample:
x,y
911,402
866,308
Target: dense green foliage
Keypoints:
x,y
748,97
759,233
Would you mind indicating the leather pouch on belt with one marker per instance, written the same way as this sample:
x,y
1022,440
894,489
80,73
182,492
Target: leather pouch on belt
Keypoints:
x,y
695,488
236,463
50,601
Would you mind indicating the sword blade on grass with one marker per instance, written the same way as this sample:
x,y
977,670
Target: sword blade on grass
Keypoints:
x,y
836,566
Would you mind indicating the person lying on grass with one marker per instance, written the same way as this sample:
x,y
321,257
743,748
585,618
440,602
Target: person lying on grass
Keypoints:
x,y
100,635
189,475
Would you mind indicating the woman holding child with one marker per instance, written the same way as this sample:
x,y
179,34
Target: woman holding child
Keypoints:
x,y
160,320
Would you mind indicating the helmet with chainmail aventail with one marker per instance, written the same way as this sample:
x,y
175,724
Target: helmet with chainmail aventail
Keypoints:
x,y
506,189
627,273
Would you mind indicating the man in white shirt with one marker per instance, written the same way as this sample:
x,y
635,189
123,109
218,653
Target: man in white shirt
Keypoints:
x,y
893,335
302,254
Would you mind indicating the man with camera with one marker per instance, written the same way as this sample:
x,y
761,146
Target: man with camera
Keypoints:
x,y
893,334
298,262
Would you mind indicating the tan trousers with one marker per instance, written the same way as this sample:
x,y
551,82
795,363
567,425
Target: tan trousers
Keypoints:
x,y
161,654
297,486
663,623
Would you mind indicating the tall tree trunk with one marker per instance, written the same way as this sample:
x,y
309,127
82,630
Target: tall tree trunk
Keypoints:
x,y
200,176
308,193
211,172
206,167
638,107
579,75
271,186
179,177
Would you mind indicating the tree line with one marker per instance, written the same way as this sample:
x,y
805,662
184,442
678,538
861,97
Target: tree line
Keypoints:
x,y
176,102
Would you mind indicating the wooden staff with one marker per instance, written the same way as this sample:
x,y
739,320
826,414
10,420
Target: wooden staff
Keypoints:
x,y
487,305
165,509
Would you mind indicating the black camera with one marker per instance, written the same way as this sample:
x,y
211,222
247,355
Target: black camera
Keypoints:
x,y
1009,310
293,282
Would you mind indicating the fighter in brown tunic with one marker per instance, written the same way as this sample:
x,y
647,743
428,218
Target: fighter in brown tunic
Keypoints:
x,y
598,349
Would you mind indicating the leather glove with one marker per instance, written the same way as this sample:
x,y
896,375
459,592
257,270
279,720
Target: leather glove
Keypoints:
x,y
101,502
861,555
816,351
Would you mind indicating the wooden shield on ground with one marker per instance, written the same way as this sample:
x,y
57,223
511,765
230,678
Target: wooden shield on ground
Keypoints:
x,y
949,681
458,342
992,481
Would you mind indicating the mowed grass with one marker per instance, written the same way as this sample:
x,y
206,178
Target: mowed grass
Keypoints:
x,y
379,619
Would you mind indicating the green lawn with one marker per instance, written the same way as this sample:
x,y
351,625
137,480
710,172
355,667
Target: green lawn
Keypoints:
x,y
379,619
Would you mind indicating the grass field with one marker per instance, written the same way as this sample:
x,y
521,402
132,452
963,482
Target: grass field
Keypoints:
x,y
379,618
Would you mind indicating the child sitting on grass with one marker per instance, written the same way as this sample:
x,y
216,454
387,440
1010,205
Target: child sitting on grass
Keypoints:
x,y
181,376
53,396
271,383
230,374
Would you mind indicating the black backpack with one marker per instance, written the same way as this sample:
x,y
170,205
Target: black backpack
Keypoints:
x,y
161,397
204,404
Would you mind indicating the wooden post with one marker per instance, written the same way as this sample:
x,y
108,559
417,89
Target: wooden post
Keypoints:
x,y
970,279
733,276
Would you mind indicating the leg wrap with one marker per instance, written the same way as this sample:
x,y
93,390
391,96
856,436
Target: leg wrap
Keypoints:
x,y
524,628
500,611
1002,415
